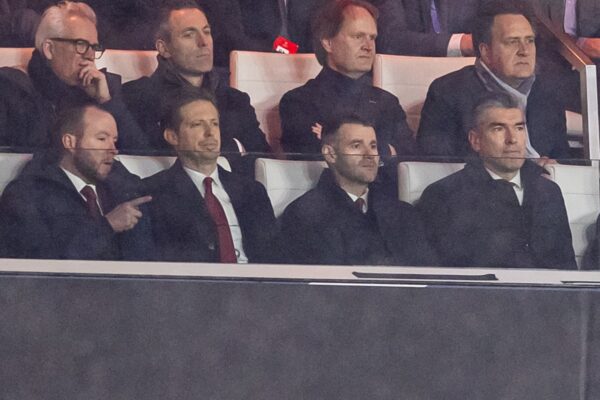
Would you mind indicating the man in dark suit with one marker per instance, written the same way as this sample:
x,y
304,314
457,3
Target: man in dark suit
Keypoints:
x,y
437,28
500,210
344,37
76,205
348,219
204,213
185,45
61,73
505,45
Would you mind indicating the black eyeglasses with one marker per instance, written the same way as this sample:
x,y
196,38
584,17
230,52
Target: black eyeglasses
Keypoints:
x,y
82,46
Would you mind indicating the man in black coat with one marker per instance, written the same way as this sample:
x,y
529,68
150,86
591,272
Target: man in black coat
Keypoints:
x,y
344,37
505,45
500,210
347,219
202,212
61,73
71,203
185,60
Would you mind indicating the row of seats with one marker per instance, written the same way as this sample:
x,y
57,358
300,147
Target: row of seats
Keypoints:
x,y
266,77
286,180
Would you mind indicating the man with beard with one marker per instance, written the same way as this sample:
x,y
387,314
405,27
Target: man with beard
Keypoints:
x,y
61,73
348,219
500,210
68,209
204,213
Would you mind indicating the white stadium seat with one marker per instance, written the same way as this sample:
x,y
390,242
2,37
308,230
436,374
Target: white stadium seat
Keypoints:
x,y
266,77
10,166
285,181
145,166
408,78
130,64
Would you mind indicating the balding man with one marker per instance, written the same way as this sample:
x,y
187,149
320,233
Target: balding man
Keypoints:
x,y
65,207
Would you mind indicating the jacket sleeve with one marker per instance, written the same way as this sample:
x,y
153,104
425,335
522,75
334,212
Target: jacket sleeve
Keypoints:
x,y
439,126
297,120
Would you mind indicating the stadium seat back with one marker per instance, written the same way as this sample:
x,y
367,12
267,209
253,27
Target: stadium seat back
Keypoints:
x,y
266,77
285,180
10,166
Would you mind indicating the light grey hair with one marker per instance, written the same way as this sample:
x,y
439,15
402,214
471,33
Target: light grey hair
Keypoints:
x,y
53,20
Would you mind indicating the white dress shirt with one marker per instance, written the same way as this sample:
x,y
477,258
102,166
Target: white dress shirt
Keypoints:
x,y
223,197
515,183
364,196
80,184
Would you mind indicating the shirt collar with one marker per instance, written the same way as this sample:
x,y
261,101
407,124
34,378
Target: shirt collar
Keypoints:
x,y
198,177
77,181
516,180
364,196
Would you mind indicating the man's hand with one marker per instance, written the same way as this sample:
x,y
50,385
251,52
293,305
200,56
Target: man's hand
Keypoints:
x,y
543,161
466,45
93,82
317,130
590,46
126,215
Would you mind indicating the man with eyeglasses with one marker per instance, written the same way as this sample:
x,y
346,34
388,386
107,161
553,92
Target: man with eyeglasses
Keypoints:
x,y
62,73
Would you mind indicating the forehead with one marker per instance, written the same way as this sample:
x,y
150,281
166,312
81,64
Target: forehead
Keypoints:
x,y
511,25
199,109
498,115
186,18
96,121
351,132
358,18
77,27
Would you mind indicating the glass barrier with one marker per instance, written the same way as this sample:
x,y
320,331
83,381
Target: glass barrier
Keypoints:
x,y
353,208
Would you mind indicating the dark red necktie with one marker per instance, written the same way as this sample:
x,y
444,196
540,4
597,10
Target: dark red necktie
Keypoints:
x,y
360,204
226,248
91,202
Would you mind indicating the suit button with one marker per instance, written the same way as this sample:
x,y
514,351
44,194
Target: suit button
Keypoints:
x,y
211,246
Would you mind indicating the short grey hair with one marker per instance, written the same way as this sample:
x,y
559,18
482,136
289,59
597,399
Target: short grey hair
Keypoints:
x,y
52,23
491,100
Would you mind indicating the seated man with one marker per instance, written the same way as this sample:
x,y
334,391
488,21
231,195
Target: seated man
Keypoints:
x,y
347,219
185,59
505,46
344,36
67,208
500,210
204,213
61,73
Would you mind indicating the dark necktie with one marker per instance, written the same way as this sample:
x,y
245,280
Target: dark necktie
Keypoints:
x,y
361,205
435,19
226,248
91,202
506,190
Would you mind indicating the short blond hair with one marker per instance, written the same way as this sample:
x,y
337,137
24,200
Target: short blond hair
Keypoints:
x,y
52,23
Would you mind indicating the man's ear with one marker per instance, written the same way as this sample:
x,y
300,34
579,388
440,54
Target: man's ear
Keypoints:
x,y
328,153
171,137
326,43
475,140
69,141
48,49
162,48
484,51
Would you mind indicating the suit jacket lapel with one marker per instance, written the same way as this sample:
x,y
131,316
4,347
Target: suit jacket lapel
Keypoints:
x,y
190,201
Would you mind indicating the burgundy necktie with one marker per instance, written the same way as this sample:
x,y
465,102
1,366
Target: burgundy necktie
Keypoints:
x,y
91,202
226,248
361,205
